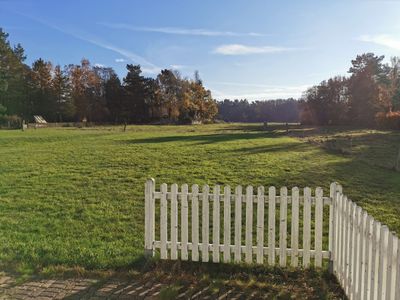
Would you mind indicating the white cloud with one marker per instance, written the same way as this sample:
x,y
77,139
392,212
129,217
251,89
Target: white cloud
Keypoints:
x,y
99,65
181,31
382,40
120,60
178,67
258,91
238,49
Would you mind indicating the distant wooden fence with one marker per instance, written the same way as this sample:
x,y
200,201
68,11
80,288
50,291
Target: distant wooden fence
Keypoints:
x,y
300,228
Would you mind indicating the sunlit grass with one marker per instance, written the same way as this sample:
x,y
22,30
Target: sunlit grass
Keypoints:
x,y
74,197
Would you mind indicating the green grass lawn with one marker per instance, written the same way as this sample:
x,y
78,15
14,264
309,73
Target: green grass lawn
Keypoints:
x,y
74,197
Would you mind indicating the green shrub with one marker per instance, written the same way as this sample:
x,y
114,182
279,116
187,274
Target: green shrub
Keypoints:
x,y
12,121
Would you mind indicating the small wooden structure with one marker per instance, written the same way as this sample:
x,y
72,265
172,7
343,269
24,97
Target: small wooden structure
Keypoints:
x,y
39,121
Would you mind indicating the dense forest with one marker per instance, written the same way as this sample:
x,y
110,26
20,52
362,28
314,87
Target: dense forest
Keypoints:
x,y
90,93
281,110
369,97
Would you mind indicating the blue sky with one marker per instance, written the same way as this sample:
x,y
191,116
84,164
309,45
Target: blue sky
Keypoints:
x,y
243,49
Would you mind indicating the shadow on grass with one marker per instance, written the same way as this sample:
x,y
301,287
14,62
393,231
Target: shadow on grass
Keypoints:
x,y
207,138
274,148
189,280
260,127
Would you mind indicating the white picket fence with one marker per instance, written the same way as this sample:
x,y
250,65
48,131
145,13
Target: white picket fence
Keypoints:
x,y
300,228
365,255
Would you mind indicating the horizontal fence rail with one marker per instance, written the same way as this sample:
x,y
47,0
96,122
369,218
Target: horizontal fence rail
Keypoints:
x,y
253,225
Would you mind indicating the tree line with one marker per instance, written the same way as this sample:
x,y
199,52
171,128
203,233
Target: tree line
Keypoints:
x,y
369,97
93,93
281,110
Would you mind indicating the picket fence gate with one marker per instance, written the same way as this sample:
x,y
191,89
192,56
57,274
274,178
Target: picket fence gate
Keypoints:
x,y
362,253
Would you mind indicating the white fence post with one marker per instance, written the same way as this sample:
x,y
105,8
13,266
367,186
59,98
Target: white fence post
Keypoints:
x,y
149,228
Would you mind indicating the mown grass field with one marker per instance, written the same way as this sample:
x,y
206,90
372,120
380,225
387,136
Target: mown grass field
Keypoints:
x,y
74,197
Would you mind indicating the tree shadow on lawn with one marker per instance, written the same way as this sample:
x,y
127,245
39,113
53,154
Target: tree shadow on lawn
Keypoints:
x,y
376,148
204,139
296,146
260,127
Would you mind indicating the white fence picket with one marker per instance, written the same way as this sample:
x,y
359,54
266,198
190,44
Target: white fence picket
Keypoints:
x,y
397,292
307,227
271,225
294,243
283,227
342,210
174,221
333,219
368,255
394,270
195,222
260,224
397,296
382,272
389,265
319,214
363,254
163,221
345,278
331,238
215,222
249,225
184,222
227,224
205,218
375,260
353,249
238,224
